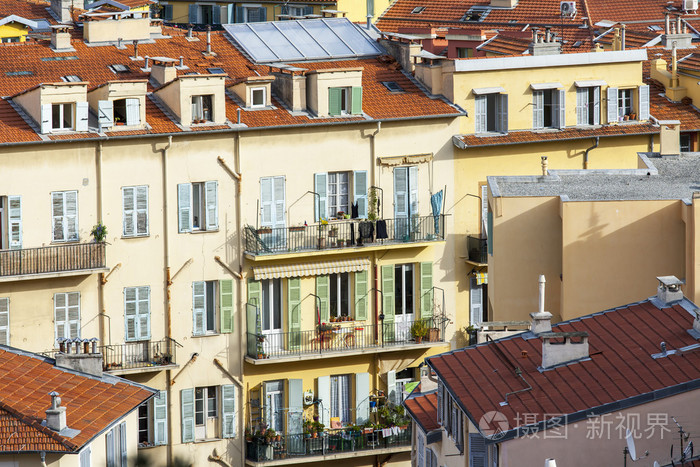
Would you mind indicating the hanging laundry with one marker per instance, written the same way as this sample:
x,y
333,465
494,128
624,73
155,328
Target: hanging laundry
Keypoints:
x,y
354,211
381,229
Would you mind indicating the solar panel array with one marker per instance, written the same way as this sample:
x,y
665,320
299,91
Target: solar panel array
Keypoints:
x,y
309,39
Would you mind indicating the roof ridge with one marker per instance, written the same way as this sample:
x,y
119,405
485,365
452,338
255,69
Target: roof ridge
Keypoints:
x,y
34,422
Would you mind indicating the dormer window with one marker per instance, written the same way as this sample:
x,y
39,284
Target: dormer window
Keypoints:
x,y
345,101
62,116
258,98
202,109
127,112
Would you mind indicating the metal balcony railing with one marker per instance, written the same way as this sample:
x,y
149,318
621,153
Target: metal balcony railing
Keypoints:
x,y
343,234
344,336
142,354
477,249
52,259
327,443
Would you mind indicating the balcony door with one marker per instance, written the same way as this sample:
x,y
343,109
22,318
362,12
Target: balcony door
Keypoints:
x,y
10,222
403,301
274,405
272,211
405,200
271,314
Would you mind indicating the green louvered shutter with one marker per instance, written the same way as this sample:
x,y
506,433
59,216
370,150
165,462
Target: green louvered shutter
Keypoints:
x,y
228,411
426,290
361,295
388,301
334,97
356,100
199,300
226,305
187,414
254,294
294,310
322,290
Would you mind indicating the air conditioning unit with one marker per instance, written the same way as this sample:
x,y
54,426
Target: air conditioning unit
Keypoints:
x,y
567,9
690,5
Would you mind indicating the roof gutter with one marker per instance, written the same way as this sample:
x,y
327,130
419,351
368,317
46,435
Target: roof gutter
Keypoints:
x,y
595,145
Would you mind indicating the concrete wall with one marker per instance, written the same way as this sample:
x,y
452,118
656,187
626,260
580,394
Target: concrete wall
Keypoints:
x,y
111,30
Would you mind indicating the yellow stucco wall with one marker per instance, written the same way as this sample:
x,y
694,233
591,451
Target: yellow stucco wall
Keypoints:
x,y
14,29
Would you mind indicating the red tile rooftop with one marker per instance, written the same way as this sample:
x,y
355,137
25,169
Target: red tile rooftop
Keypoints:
x,y
423,409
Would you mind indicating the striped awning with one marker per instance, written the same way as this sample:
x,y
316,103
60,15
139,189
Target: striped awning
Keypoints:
x,y
481,278
311,269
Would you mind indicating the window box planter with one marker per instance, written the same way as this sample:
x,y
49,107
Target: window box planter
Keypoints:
x,y
264,230
299,228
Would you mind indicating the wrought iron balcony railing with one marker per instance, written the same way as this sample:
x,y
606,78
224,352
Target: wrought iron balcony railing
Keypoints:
x,y
52,259
137,355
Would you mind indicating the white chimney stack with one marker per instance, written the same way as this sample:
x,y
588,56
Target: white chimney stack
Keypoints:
x,y
570,350
56,415
542,320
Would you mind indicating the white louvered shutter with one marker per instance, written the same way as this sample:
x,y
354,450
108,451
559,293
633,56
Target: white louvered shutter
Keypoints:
x,y
643,103
537,109
184,207
413,189
211,190
612,105
4,321
85,457
360,192
46,118
480,117
73,312
400,192
109,441
144,312
71,215
141,210
392,394
123,454
266,204
81,116
475,303
187,414
321,189
561,114
133,111
581,106
361,398
324,396
198,307
105,114
130,313
503,113
228,411
160,418
279,205
58,216
484,209
128,210
596,106
15,221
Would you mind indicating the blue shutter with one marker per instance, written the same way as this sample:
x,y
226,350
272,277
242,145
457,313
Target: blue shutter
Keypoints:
x,y
192,16
240,14
359,190
160,418
167,12
308,10
216,14
187,415
228,411
477,450
263,13
321,189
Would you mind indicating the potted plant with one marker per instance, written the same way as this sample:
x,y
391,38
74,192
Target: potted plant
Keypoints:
x,y
372,202
333,232
418,331
99,233
297,228
264,230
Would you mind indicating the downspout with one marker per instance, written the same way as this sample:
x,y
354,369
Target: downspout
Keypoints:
x,y
101,280
585,155
373,182
239,290
168,283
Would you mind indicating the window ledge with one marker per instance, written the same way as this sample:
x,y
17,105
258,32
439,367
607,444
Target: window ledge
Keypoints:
x,y
207,440
63,242
195,232
490,134
208,334
126,237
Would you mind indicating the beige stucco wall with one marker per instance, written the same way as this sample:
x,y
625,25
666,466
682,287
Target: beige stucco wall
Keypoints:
x,y
178,96
318,82
56,93
126,29
116,90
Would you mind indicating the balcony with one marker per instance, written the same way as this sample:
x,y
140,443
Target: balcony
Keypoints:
x,y
60,260
477,249
344,235
139,357
342,339
329,445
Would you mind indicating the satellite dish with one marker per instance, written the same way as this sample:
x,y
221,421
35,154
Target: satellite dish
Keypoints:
x,y
630,445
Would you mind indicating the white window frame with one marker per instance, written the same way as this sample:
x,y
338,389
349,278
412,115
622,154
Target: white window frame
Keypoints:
x,y
333,200
5,320
116,446
66,218
405,310
246,10
198,112
65,297
337,286
261,89
208,208
340,398
156,418
200,302
208,394
624,95
135,213
585,108
141,303
58,126
345,100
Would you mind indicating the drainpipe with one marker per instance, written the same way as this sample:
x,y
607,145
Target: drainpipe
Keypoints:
x,y
101,277
585,155
239,286
372,164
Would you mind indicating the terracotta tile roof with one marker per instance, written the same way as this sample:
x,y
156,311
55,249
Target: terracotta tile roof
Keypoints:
x,y
92,403
599,10
13,128
663,109
529,136
423,409
620,367
27,9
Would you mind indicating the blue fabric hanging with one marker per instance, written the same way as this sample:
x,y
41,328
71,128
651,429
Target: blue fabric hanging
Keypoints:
x,y
436,203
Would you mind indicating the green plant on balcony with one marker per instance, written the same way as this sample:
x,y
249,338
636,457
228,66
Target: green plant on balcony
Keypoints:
x,y
372,204
393,415
99,232
418,331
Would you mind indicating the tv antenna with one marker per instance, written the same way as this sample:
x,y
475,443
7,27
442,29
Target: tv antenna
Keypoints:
x,y
631,449
687,452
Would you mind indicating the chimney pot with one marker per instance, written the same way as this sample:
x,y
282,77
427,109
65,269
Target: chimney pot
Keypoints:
x,y
669,289
208,39
56,415
182,61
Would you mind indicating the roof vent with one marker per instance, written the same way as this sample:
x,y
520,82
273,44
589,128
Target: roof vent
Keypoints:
x,y
563,347
56,415
669,289
542,320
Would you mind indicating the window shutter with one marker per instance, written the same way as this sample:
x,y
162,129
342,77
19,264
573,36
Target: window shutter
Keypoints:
x,y
294,310
295,403
122,444
160,418
413,187
279,197
480,114
537,109
142,210
321,188
4,321
388,293
503,108
361,398
144,312
46,115
226,305
419,450
400,192
262,12
57,213
184,207
489,222
60,315
71,215
109,441
216,15
426,290
484,209
361,298
475,303
85,457
440,403
356,107
612,105
81,116
229,14
643,102
128,210
581,106
211,202
15,221
323,291
596,105
324,395
284,10
240,14
561,114
130,305
105,114
359,178
308,10
477,450
73,312
334,97
198,307
187,414
228,411
266,211
192,14
254,295
133,111
167,12
392,395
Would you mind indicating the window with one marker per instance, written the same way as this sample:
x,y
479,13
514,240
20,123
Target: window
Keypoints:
x,y
275,405
405,200
334,195
476,13
492,451
258,97
137,313
85,457
153,421
251,14
548,109
621,104
10,39
119,68
64,207
588,105
67,315
624,102
166,12
477,449
345,101
127,111
198,206
491,113
208,413
216,71
116,446
403,289
10,222
205,303
463,52
62,117
417,10
135,210
478,312
271,306
686,142
71,78
430,458
4,321
339,295
340,398
202,110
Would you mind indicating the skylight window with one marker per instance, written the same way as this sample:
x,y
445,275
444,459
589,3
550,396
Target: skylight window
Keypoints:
x,y
418,9
18,73
578,43
71,78
392,86
216,71
654,28
119,68
477,13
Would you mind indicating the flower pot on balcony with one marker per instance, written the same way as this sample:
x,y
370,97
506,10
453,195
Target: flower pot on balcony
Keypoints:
x,y
321,243
419,339
433,335
299,228
264,230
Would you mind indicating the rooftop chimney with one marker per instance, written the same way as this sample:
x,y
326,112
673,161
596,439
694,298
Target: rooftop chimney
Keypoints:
x,y
569,347
80,355
669,289
546,45
163,70
60,38
545,165
62,8
677,32
56,415
542,320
